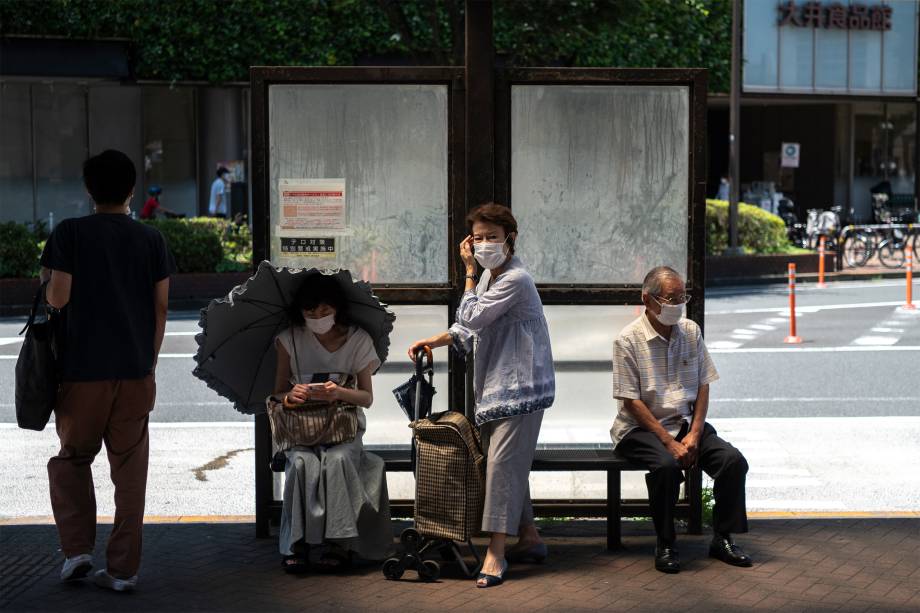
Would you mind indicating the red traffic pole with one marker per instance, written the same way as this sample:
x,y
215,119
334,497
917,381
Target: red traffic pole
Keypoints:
x,y
821,252
792,338
909,262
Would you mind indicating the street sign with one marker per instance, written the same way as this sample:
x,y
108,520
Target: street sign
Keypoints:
x,y
790,157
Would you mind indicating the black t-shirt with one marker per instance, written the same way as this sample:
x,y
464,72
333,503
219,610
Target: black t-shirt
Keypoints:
x,y
110,320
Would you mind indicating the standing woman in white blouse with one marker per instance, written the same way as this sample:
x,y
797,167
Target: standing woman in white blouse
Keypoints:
x,y
501,320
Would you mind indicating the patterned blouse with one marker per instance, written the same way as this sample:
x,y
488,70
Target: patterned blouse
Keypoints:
x,y
513,359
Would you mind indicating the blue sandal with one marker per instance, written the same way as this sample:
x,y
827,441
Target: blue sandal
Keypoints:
x,y
492,580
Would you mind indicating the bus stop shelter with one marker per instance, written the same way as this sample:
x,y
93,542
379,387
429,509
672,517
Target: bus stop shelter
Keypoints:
x,y
603,168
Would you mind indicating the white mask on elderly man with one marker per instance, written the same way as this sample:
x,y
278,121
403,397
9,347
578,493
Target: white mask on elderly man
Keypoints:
x,y
670,313
490,255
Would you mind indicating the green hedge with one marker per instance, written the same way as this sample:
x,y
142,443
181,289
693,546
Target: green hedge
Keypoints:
x,y
19,251
201,244
758,230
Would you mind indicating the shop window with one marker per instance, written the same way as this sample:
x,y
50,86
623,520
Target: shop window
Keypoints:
x,y
761,45
796,58
900,50
59,113
15,154
830,60
169,146
865,60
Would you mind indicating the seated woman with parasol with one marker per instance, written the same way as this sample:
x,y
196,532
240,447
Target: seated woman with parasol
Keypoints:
x,y
335,494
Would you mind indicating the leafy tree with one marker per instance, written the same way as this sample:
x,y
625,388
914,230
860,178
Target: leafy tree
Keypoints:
x,y
217,41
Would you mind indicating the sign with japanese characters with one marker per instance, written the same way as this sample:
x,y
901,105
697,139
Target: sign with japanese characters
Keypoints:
x,y
861,47
315,247
835,15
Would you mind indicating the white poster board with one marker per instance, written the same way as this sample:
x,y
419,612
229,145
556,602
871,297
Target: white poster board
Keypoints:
x,y
790,155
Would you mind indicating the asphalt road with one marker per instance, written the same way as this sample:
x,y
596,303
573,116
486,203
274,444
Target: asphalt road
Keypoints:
x,y
859,357
826,425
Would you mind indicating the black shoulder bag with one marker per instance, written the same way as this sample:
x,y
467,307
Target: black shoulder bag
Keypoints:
x,y
37,372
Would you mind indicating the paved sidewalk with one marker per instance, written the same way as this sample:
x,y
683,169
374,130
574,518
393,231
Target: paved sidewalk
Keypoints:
x,y
801,564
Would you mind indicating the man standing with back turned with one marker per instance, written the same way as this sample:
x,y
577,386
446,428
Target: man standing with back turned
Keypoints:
x,y
661,377
112,275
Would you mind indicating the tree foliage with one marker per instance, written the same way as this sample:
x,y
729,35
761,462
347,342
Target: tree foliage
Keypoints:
x,y
214,41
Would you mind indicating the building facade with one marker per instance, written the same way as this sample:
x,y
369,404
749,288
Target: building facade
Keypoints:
x,y
837,79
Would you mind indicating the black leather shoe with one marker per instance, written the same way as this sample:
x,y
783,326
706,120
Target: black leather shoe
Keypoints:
x,y
722,548
666,559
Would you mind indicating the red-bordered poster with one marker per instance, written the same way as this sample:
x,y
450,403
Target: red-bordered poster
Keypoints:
x,y
312,204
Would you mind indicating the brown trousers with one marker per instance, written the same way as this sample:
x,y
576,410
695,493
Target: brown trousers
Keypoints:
x,y
88,414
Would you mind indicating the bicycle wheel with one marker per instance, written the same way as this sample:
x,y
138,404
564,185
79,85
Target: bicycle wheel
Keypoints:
x,y
856,251
891,254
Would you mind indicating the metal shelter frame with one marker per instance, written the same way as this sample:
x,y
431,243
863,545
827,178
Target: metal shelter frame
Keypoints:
x,y
479,166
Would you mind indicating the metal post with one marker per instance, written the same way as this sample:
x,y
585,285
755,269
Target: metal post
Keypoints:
x,y
480,103
734,133
479,125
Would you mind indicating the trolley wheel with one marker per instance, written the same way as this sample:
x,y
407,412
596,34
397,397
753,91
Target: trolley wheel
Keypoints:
x,y
429,571
410,538
393,569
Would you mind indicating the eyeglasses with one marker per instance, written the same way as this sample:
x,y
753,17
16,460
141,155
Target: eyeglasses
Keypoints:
x,y
682,299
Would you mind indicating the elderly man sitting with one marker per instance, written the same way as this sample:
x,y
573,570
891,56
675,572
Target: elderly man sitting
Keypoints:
x,y
661,377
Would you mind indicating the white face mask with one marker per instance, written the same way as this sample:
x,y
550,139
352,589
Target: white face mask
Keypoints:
x,y
320,325
670,313
490,255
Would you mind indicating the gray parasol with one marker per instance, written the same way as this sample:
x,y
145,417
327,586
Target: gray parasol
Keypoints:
x,y
236,351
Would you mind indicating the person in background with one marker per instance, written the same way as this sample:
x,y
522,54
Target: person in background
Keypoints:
x,y
152,207
661,377
724,188
219,203
110,275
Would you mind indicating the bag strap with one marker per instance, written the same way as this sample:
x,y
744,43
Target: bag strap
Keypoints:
x,y
296,360
39,294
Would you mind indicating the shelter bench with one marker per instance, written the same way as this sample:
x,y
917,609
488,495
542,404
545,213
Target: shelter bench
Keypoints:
x,y
569,457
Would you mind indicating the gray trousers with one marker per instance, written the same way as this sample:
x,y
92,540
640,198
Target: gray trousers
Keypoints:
x,y
509,446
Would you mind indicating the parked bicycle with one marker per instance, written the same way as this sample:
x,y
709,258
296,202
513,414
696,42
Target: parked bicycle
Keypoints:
x,y
892,250
862,243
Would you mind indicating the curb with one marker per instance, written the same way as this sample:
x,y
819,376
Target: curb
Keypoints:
x,y
249,519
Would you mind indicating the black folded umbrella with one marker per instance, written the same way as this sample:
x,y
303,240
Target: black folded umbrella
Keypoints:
x,y
416,394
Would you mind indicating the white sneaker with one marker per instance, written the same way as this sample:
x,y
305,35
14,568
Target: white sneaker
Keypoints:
x,y
77,567
104,579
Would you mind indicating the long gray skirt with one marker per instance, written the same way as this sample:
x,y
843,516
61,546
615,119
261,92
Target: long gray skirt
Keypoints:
x,y
336,494
509,446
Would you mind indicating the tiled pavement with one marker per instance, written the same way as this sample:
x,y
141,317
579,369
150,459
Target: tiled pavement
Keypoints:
x,y
801,564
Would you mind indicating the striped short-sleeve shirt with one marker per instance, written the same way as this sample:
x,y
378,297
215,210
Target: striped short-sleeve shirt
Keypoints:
x,y
665,374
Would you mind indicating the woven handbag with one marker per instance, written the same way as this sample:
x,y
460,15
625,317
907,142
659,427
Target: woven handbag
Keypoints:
x,y
312,423
450,477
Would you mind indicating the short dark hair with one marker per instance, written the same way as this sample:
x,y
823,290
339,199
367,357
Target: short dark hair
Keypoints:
x,y
315,290
109,177
494,213
221,170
